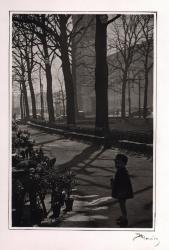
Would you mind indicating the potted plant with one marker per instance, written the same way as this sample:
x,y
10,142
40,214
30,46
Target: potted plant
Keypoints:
x,y
69,182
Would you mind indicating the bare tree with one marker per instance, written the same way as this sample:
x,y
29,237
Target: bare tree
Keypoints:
x,y
24,41
21,102
30,66
63,31
55,34
101,73
19,74
37,24
41,93
126,35
146,51
63,98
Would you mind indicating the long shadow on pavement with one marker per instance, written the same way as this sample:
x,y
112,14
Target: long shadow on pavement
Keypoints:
x,y
115,201
48,141
84,155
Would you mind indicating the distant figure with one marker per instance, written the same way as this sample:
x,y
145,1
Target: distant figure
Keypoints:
x,y
121,187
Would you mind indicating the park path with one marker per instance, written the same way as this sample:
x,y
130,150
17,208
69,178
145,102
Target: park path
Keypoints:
x,y
93,206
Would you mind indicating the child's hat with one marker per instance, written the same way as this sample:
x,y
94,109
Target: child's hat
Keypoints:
x,y
121,157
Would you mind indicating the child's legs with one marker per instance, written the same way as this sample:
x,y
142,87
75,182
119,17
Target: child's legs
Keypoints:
x,y
122,203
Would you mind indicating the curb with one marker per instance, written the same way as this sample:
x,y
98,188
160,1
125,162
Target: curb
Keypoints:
x,y
126,144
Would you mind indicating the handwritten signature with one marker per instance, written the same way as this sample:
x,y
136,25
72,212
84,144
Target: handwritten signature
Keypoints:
x,y
151,238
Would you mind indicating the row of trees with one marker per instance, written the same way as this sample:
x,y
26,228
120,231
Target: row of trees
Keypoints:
x,y
47,37
39,40
133,41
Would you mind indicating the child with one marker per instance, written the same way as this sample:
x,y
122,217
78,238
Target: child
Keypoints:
x,y
121,187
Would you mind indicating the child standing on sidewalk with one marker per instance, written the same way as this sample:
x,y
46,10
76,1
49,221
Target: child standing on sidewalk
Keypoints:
x,y
121,187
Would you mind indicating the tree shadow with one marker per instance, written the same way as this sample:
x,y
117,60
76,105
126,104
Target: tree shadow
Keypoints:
x,y
142,223
95,168
84,155
38,133
113,202
48,141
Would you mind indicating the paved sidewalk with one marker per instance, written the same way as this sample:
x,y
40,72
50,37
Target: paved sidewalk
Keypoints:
x,y
93,206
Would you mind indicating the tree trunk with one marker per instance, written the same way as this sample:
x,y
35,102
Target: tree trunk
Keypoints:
x,y
25,100
49,93
129,98
31,90
48,75
21,102
63,99
41,95
145,93
69,87
101,78
23,105
123,100
139,98
70,105
74,78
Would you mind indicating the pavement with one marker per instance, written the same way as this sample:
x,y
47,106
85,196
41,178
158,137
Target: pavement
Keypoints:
x,y
93,166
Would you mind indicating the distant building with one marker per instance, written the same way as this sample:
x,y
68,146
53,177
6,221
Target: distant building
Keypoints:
x,y
84,75
84,64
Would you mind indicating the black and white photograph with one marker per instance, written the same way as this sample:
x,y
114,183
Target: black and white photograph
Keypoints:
x,y
84,125
83,111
